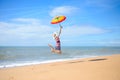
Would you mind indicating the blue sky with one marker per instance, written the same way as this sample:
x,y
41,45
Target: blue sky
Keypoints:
x,y
88,23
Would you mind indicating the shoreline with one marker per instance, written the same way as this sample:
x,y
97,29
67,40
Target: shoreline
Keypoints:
x,y
29,63
94,68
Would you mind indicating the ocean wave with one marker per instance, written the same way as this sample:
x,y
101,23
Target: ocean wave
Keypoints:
x,y
25,63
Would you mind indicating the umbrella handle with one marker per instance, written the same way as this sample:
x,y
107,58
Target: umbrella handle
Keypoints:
x,y
60,25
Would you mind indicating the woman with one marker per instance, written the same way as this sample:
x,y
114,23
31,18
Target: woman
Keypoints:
x,y
56,37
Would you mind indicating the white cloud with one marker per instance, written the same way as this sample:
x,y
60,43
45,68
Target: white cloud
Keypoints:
x,y
109,43
83,30
63,10
15,31
22,31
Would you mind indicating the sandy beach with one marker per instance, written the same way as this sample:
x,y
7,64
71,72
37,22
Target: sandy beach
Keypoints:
x,y
96,68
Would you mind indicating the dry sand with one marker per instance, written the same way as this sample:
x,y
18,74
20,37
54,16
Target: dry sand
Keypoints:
x,y
96,68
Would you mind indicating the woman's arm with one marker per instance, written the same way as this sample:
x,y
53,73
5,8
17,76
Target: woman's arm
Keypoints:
x,y
60,31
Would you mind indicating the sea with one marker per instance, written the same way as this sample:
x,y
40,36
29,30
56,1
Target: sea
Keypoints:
x,y
21,56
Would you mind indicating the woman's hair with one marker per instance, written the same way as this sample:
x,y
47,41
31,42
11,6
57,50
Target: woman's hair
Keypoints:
x,y
55,33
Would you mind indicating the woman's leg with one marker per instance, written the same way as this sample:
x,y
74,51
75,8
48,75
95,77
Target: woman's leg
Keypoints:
x,y
54,50
58,51
51,47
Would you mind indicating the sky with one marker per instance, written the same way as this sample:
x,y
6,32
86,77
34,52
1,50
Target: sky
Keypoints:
x,y
88,22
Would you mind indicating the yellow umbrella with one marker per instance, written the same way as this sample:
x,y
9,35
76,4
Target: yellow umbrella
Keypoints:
x,y
58,19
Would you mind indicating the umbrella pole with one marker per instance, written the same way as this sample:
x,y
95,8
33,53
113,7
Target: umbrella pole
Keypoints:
x,y
60,25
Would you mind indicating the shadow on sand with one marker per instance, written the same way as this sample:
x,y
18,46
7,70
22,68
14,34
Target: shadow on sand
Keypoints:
x,y
75,61
100,59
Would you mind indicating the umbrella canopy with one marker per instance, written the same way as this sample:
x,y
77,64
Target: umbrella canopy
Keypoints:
x,y
58,19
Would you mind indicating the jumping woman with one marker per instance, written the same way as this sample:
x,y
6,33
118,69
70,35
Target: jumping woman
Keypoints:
x,y
56,37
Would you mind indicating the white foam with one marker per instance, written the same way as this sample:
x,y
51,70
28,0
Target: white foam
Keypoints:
x,y
30,63
40,62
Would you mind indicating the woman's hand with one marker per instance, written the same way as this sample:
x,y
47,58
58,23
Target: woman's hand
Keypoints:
x,y
61,27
